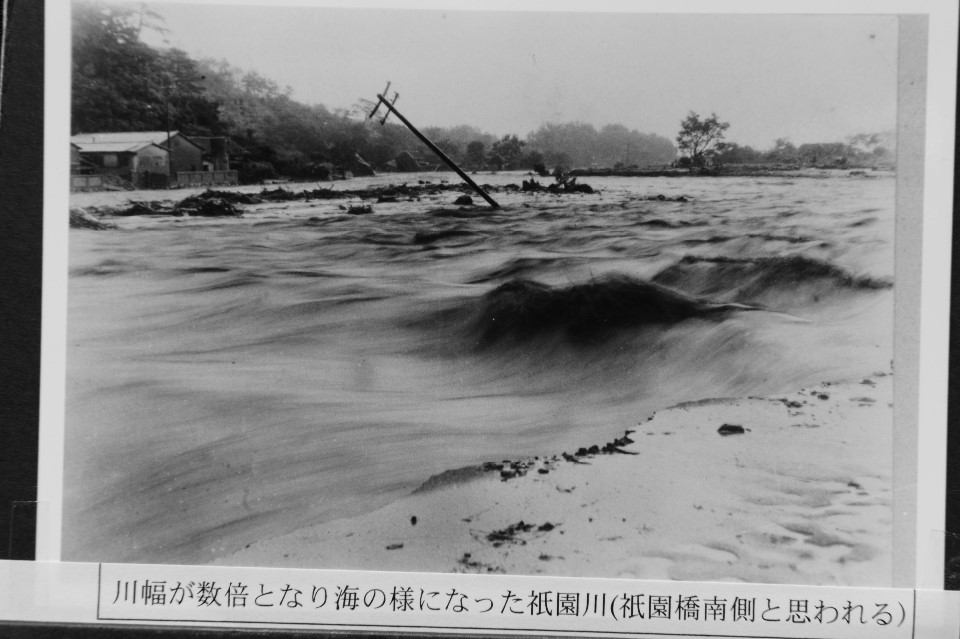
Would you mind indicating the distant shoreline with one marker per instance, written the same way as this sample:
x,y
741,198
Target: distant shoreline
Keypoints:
x,y
736,171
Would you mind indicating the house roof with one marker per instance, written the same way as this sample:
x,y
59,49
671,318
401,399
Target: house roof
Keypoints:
x,y
203,143
152,137
113,147
230,146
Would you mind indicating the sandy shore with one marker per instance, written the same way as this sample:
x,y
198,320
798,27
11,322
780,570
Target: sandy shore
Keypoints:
x,y
802,495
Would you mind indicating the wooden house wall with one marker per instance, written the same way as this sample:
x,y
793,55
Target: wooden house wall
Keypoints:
x,y
185,156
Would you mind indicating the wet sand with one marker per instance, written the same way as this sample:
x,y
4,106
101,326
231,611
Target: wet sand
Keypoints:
x,y
802,495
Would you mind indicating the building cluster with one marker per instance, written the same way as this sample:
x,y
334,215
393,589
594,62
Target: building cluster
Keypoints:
x,y
151,160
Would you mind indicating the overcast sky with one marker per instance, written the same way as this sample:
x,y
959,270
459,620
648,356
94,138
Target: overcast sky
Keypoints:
x,y
808,78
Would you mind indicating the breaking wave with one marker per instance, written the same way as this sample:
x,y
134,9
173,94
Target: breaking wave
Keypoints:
x,y
522,309
789,281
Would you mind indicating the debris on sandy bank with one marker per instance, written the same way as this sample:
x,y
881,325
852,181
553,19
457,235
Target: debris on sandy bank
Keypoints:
x,y
83,220
514,533
203,205
731,429
511,469
218,203
213,207
782,504
566,186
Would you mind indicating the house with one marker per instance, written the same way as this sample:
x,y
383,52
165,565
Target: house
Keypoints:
x,y
135,157
74,158
131,161
217,152
83,172
184,153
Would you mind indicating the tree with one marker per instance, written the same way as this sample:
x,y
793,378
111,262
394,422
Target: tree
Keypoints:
x,y
580,144
699,137
874,147
506,152
180,81
733,153
109,66
568,144
461,134
475,153
450,148
783,152
534,160
121,84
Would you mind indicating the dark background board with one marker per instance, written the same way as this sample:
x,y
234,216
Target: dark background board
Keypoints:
x,y
952,559
21,251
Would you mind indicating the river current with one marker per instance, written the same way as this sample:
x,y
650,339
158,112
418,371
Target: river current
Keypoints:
x,y
234,379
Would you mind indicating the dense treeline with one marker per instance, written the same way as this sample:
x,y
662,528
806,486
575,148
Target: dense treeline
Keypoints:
x,y
122,84
578,144
861,150
702,145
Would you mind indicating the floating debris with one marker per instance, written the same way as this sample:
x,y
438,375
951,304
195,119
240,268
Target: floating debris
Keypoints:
x,y
509,535
566,186
83,220
731,429
216,207
468,563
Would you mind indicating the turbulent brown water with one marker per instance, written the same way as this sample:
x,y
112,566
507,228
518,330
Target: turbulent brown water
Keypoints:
x,y
235,379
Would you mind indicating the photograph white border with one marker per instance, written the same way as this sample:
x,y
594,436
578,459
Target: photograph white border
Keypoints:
x,y
936,237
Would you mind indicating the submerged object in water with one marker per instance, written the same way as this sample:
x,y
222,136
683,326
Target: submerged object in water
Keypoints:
x,y
522,309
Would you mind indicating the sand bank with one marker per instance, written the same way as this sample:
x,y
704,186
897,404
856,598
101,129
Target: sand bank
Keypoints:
x,y
802,495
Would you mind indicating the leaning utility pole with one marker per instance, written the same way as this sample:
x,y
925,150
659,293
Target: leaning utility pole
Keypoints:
x,y
433,147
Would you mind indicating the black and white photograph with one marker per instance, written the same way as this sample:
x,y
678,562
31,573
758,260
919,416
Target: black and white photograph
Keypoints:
x,y
564,293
